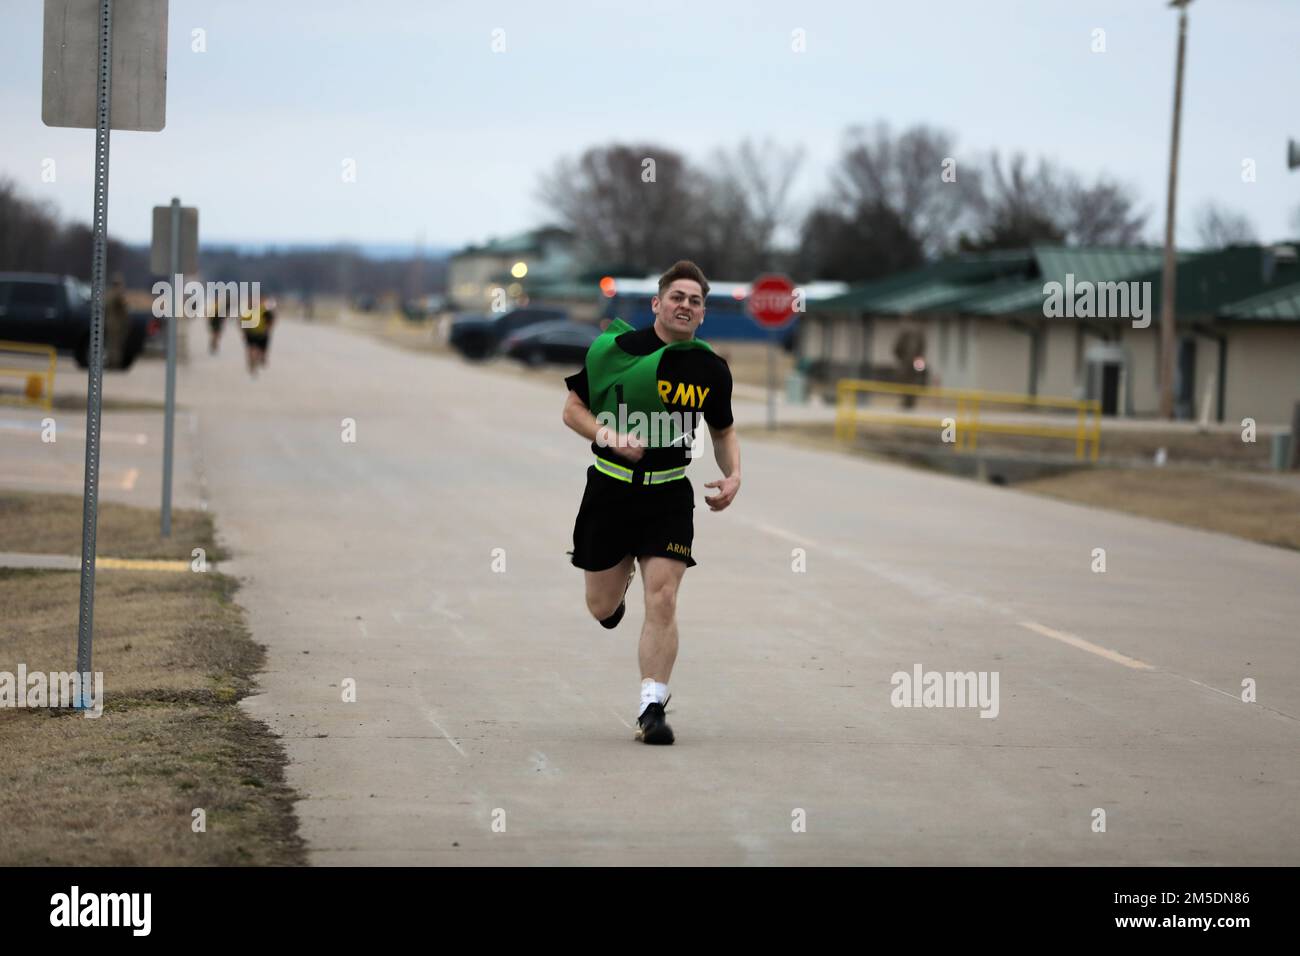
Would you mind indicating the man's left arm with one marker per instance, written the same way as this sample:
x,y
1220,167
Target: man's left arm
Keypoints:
x,y
726,452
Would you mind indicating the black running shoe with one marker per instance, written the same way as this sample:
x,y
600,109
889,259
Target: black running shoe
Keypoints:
x,y
652,728
611,622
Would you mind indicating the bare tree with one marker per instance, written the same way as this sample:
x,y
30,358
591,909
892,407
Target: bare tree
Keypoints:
x,y
628,204
905,177
1019,205
1217,226
760,176
869,243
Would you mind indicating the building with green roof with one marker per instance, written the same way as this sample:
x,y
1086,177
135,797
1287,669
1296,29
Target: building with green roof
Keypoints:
x,y
1076,323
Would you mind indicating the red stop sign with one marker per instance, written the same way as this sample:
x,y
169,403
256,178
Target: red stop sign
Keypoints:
x,y
771,300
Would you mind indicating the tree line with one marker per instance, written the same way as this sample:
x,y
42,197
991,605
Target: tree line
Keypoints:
x,y
33,238
891,202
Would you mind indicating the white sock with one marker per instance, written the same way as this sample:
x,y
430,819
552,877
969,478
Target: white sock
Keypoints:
x,y
652,692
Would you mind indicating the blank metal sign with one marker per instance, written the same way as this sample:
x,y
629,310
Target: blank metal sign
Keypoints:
x,y
160,253
72,61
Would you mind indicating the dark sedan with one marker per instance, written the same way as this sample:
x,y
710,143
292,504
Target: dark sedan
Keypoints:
x,y
481,336
563,342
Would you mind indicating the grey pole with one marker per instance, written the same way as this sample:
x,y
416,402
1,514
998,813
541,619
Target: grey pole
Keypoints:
x,y
95,378
771,379
169,420
1168,287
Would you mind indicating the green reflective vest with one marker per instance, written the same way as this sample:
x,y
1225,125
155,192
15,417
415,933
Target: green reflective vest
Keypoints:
x,y
614,377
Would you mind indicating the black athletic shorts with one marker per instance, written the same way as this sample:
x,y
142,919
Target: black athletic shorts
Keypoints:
x,y
257,339
618,518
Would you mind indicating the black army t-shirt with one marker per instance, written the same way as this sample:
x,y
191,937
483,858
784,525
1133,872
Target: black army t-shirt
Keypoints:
x,y
698,384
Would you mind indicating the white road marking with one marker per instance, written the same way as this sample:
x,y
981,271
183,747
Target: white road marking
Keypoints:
x,y
428,715
778,532
128,481
439,599
928,588
125,438
1076,641
1215,689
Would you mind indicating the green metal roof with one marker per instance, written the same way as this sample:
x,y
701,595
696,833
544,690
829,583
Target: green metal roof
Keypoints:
x,y
1054,264
931,286
1209,282
1282,304
1011,282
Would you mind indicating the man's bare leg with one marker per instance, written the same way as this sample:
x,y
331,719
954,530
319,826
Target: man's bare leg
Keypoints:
x,y
605,588
658,648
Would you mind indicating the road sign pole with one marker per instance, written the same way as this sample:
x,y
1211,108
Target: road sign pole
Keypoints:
x,y
95,379
771,380
771,303
169,419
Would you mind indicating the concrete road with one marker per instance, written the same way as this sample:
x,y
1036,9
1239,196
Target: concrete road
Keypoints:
x,y
493,720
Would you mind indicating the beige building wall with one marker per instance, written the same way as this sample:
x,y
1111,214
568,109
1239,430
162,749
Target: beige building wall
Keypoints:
x,y
1144,383
469,279
1000,356
1060,373
1263,373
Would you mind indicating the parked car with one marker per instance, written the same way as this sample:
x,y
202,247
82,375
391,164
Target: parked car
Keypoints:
x,y
55,310
565,342
480,336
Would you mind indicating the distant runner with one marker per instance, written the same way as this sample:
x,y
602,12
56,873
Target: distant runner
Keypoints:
x,y
257,334
216,322
638,400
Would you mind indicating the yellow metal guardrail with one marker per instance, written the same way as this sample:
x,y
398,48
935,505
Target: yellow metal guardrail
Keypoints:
x,y
30,373
1086,432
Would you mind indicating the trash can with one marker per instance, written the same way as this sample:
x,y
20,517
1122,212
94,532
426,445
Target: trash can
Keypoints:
x,y
796,388
1281,451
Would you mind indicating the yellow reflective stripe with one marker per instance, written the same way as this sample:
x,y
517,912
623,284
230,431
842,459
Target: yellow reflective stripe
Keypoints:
x,y
650,477
614,471
658,477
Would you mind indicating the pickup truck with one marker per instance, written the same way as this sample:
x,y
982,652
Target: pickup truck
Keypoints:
x,y
55,310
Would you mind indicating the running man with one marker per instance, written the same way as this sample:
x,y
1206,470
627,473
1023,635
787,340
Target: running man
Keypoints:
x,y
257,334
216,320
638,399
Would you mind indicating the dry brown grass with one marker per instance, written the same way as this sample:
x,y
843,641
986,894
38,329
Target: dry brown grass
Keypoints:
x,y
120,789
1237,500
1118,446
40,523
176,658
1214,501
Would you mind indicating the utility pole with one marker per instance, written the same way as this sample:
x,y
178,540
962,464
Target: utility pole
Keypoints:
x,y
1167,285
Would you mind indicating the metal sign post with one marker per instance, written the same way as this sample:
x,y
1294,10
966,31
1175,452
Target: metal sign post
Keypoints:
x,y
175,250
170,417
95,386
771,303
80,55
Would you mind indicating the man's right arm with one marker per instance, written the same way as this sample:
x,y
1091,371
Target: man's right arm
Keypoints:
x,y
580,418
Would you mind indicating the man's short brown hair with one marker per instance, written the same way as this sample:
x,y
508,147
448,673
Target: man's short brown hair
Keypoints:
x,y
683,269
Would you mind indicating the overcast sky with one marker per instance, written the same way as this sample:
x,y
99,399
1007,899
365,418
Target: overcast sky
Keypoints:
x,y
449,136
